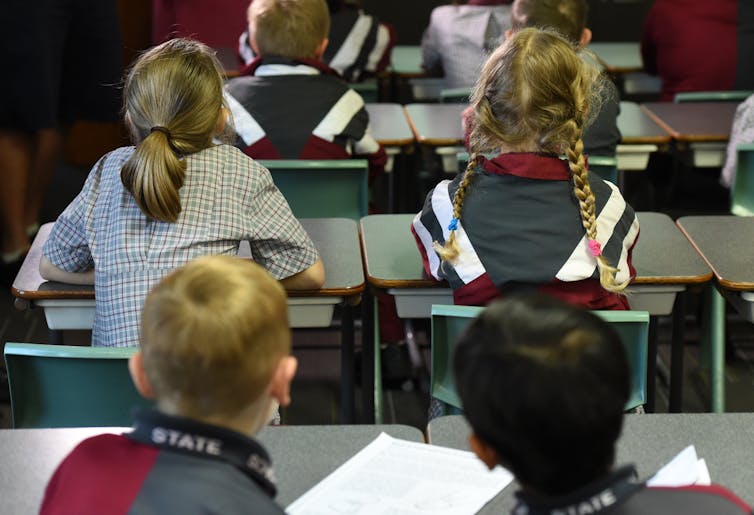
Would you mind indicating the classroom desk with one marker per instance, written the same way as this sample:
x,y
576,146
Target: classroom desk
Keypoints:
x,y
665,264
301,456
727,245
702,126
72,307
618,57
649,441
406,61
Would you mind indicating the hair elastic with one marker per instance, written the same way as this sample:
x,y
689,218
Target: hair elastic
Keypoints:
x,y
161,129
595,247
453,226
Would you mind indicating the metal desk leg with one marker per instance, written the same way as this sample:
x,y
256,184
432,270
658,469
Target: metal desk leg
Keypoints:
x,y
649,406
347,404
676,354
716,340
367,357
377,370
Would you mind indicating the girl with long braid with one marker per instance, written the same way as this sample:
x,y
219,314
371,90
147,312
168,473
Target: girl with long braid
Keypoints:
x,y
530,219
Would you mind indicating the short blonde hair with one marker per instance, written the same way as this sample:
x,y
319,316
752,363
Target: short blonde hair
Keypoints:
x,y
289,28
172,101
212,333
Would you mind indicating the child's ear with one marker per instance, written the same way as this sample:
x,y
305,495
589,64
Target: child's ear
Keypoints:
x,y
138,376
586,38
320,51
484,451
280,384
253,43
508,33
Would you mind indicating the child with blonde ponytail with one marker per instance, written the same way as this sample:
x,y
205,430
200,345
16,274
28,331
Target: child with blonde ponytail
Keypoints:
x,y
532,218
148,209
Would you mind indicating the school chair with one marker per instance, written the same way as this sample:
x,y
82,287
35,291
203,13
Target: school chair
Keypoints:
x,y
67,386
712,96
455,95
325,188
742,189
368,89
449,322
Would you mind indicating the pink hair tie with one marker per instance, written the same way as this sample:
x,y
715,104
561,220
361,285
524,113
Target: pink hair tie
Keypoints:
x,y
595,247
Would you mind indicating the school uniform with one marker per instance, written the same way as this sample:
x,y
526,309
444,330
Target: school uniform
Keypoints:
x,y
300,109
359,45
620,493
602,135
225,198
167,464
520,230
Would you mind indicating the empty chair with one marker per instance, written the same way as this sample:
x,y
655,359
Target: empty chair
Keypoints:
x,y
742,189
322,188
448,322
65,386
712,96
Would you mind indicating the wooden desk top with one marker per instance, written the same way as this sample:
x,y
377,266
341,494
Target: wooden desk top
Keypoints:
x,y
727,245
30,456
618,57
436,124
335,238
389,125
392,260
638,128
406,61
694,121
649,441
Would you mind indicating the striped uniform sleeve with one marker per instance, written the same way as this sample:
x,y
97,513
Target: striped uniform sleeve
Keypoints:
x,y
247,129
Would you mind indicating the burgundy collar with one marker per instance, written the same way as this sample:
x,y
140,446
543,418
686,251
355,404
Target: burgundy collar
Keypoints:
x,y
251,68
529,165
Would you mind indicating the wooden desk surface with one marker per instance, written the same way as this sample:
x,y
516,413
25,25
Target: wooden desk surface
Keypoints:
x,y
638,128
618,57
389,125
649,441
391,258
301,455
727,245
694,121
335,238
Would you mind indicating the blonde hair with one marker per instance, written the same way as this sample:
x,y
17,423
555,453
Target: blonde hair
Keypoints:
x,y
565,16
172,103
536,90
289,28
212,333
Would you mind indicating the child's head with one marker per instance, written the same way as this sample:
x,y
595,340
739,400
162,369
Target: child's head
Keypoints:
x,y
535,94
215,342
543,386
173,106
568,17
296,29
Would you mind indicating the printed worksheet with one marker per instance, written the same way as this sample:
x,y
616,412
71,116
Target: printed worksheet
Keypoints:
x,y
404,478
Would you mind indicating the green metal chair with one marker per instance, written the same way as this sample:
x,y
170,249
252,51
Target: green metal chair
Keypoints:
x,y
322,188
449,322
455,95
65,386
742,190
712,96
605,167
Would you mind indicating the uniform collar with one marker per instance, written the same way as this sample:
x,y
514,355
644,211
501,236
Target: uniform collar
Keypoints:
x,y
597,497
194,438
273,65
529,165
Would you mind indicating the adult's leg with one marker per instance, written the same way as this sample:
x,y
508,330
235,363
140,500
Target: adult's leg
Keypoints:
x,y
15,159
45,156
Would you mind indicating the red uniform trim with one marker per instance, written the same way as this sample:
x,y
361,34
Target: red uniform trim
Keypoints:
x,y
713,489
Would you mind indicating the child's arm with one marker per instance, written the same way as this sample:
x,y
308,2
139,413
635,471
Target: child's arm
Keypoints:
x,y
50,272
313,278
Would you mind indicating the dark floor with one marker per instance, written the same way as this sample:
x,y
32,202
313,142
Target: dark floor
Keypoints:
x,y
316,391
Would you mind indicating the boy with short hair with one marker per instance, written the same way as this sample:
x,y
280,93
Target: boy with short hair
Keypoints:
x,y
215,357
543,386
288,104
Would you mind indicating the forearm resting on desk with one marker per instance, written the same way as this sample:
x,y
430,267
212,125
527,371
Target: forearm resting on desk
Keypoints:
x,y
310,279
52,273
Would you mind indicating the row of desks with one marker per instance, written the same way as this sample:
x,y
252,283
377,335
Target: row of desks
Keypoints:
x,y
665,261
304,455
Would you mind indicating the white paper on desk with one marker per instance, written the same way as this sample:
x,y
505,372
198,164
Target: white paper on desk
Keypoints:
x,y
404,478
683,470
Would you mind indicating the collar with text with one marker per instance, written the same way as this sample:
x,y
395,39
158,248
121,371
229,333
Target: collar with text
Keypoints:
x,y
529,165
594,498
194,438
315,64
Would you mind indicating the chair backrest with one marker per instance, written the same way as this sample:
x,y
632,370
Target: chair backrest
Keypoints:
x,y
742,189
322,188
65,386
449,322
455,95
712,96
604,166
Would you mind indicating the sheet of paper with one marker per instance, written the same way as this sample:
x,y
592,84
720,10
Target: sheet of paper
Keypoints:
x,y
404,478
683,470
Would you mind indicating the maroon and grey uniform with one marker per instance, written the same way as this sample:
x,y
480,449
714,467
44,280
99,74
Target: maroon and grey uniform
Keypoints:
x,y
166,465
300,109
520,229
620,494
